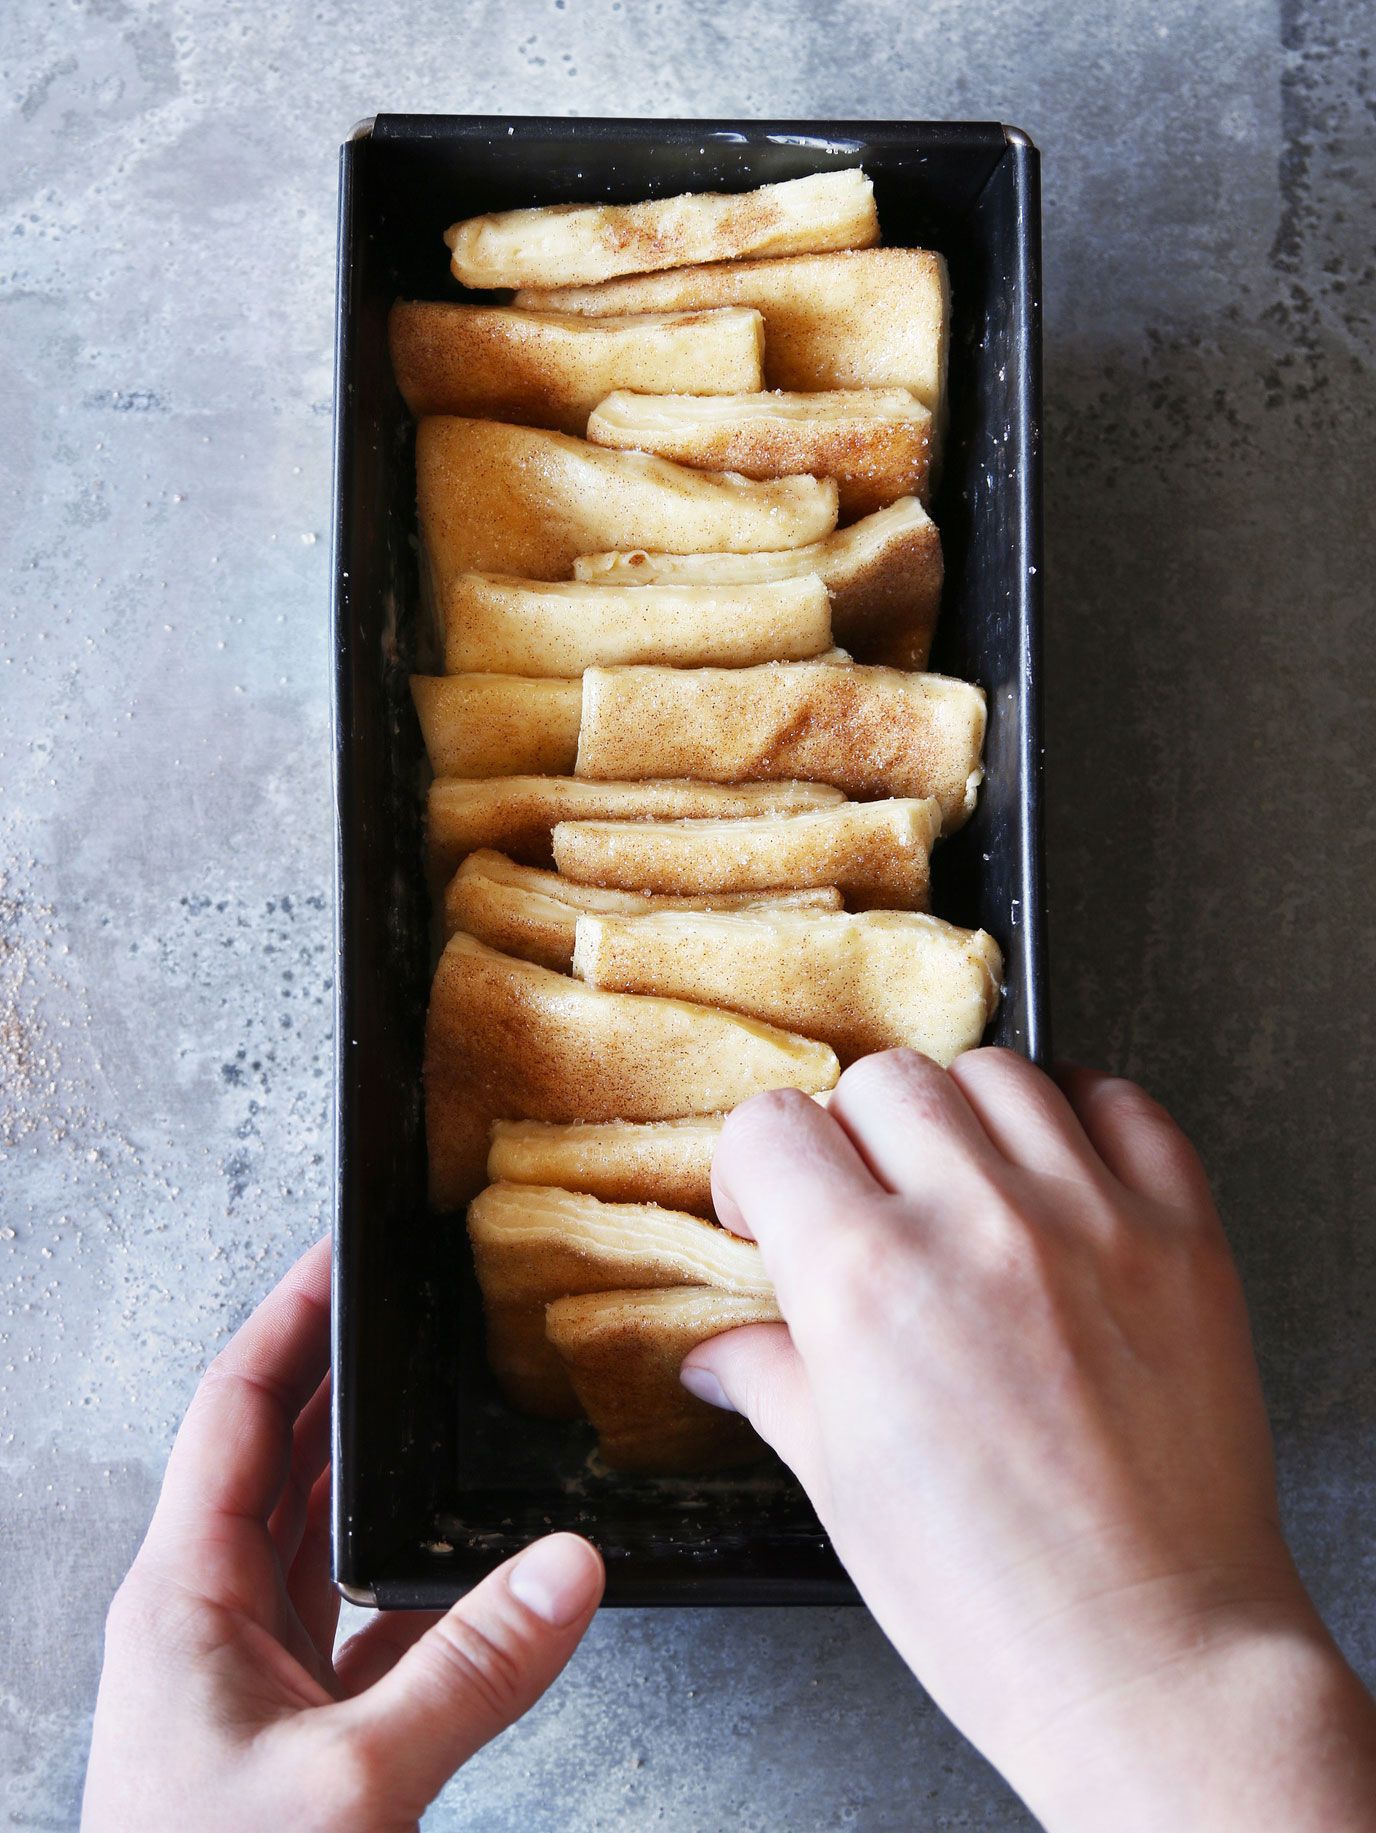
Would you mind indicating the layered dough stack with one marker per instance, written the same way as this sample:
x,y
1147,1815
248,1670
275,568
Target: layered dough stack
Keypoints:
x,y
688,776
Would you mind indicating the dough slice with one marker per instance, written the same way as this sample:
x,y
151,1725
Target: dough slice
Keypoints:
x,y
883,573
861,983
519,500
527,912
875,853
876,442
505,1039
870,731
668,1162
556,244
623,1351
552,368
533,1245
517,814
498,725
529,627
875,319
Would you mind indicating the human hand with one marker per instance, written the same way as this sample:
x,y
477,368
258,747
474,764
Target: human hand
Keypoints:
x,y
220,1706
1017,1381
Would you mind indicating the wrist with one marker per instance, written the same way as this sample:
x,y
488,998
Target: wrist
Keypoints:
x,y
1254,1720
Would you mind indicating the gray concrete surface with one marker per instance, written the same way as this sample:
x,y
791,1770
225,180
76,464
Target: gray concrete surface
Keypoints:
x,y
166,291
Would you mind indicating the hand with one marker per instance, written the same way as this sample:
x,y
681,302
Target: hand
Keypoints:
x,y
220,1706
1017,1381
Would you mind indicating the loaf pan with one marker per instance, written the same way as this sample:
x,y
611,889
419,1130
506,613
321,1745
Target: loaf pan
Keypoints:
x,y
434,1479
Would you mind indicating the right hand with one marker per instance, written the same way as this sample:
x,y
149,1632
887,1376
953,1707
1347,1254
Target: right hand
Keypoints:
x,y
1017,1381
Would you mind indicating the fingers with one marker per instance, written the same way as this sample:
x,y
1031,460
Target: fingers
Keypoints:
x,y
310,1452
1024,1114
231,1454
909,1121
756,1371
472,1673
780,1167
1137,1139
377,1648
791,1173
310,1589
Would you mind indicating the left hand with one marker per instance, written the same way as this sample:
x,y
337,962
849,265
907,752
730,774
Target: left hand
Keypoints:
x,y
220,1704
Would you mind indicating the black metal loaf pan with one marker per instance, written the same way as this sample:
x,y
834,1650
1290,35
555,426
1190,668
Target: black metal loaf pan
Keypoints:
x,y
434,1479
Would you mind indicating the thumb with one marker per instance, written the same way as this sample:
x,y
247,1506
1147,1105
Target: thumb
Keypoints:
x,y
473,1673
756,1371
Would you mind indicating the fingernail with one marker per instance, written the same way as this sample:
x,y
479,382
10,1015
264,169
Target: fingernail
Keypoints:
x,y
703,1385
555,1579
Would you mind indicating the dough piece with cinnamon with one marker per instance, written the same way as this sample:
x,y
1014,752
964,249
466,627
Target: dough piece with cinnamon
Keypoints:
x,y
517,814
561,627
555,244
519,500
878,980
883,574
623,1351
480,725
552,368
878,318
526,911
877,854
876,442
505,1039
868,731
668,1162
534,1244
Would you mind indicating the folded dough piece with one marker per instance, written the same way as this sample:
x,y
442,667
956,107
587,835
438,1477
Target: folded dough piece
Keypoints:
x,y
517,814
552,368
519,500
876,853
530,627
533,1245
556,244
506,1039
861,983
527,912
498,725
870,731
668,1162
875,319
623,1351
876,442
883,573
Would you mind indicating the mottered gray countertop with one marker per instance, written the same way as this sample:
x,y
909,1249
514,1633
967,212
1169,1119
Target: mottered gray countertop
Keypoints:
x,y
166,307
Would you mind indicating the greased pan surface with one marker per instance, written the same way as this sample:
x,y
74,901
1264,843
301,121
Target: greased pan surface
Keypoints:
x,y
434,1480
